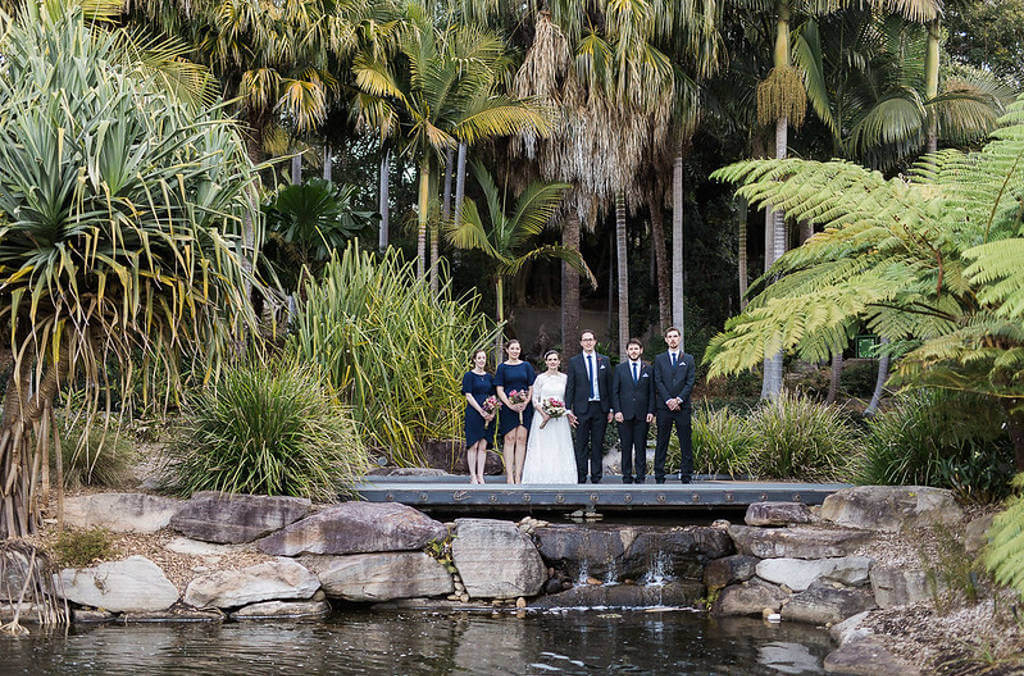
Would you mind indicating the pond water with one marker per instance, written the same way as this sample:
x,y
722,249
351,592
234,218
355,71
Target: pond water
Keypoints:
x,y
364,642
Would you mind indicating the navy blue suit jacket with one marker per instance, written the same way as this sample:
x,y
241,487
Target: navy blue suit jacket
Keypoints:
x,y
674,382
577,387
633,401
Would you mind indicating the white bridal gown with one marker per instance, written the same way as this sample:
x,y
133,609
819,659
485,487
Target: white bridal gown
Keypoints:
x,y
550,458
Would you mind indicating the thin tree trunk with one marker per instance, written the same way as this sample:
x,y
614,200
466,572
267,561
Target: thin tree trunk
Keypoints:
x,y
499,301
328,169
677,245
773,365
297,169
1015,426
883,375
421,231
931,86
570,288
623,266
833,383
446,212
662,276
460,183
806,231
741,253
385,184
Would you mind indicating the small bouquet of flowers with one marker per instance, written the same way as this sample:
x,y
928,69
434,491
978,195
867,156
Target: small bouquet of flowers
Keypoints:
x,y
490,404
553,407
517,397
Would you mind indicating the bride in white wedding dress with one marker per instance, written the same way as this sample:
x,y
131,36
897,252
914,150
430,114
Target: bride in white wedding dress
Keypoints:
x,y
550,458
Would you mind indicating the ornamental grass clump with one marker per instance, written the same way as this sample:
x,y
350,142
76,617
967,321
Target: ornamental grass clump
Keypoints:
x,y
269,429
722,442
799,438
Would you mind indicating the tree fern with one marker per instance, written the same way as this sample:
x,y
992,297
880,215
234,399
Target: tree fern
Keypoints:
x,y
1004,554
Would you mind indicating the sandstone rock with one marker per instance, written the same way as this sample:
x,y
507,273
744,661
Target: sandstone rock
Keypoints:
x,y
495,559
30,613
796,543
868,657
678,593
232,518
380,577
121,512
777,514
283,610
89,616
976,534
821,604
173,615
894,586
182,545
749,598
279,579
135,584
799,574
891,508
728,570
355,528
850,628
14,567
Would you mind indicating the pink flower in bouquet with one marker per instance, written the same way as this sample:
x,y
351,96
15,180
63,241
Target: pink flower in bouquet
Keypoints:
x,y
553,407
517,397
490,404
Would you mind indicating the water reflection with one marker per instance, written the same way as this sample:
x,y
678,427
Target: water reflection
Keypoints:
x,y
359,642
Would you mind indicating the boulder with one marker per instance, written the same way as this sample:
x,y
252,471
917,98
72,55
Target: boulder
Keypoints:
x,y
13,569
976,534
822,603
356,528
728,570
624,596
283,610
135,584
899,586
799,574
207,550
866,656
233,518
777,514
89,616
796,543
278,579
749,598
121,512
173,615
891,508
592,551
496,560
850,628
380,577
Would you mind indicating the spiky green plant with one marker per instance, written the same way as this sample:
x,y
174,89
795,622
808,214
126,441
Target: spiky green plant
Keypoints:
x,y
1004,554
394,349
722,442
930,261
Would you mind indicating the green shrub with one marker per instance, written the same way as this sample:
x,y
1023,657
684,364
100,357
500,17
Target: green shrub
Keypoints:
x,y
1004,554
932,437
797,438
396,350
80,548
95,456
269,429
722,442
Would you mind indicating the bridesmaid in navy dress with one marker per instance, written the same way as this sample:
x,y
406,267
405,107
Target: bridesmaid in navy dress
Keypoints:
x,y
514,375
477,385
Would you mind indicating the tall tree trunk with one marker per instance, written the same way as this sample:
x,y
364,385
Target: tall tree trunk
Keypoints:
x,y
883,375
773,366
297,169
931,86
499,302
328,169
460,183
677,245
623,267
385,189
446,212
570,288
833,383
742,251
421,231
806,231
663,278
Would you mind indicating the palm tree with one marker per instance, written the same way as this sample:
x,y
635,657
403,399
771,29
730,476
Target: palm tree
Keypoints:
x,y
508,240
442,90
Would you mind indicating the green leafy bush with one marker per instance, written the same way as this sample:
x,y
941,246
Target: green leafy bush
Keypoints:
x,y
80,548
269,429
1004,554
798,438
933,437
722,442
395,349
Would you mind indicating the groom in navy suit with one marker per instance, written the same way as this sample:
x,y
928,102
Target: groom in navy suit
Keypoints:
x,y
633,404
589,406
674,375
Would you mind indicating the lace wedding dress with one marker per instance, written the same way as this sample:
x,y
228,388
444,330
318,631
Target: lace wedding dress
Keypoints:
x,y
550,458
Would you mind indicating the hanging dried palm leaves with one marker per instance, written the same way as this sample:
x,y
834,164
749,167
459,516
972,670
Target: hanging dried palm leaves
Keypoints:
x,y
781,95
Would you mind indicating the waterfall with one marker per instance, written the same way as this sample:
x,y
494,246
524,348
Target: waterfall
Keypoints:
x,y
657,573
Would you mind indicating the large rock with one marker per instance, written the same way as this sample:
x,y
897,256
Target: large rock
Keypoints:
x,y
899,586
799,574
13,571
283,610
380,577
356,528
624,596
121,512
777,514
273,580
796,543
729,569
496,559
891,508
822,603
976,534
749,598
851,628
135,584
207,550
231,518
866,656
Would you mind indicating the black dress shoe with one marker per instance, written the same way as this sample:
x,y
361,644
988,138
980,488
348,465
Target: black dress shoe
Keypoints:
x,y
659,481
627,480
684,478
640,480
595,479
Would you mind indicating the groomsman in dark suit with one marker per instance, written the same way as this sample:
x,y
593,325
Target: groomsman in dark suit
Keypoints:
x,y
633,404
589,406
674,375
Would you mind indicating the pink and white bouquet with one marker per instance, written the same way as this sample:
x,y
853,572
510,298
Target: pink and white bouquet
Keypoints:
x,y
517,397
490,404
553,407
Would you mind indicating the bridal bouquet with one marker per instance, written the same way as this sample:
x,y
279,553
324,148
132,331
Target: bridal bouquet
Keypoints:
x,y
517,397
490,404
554,407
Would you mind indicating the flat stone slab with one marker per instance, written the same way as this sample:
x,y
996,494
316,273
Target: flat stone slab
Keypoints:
x,y
121,512
283,610
274,580
380,577
891,508
799,574
899,586
866,656
824,604
777,514
171,616
135,584
356,528
189,547
749,598
496,560
231,518
802,542
624,596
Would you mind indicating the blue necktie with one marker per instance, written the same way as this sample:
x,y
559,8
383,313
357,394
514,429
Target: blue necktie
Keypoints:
x,y
672,356
634,373
593,380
